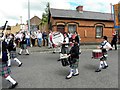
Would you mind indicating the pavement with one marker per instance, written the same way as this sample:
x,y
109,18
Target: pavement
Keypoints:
x,y
46,49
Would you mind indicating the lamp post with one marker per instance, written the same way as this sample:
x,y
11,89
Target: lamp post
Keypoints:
x,y
29,16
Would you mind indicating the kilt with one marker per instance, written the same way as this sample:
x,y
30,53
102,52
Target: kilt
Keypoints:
x,y
23,46
75,65
4,70
104,57
13,54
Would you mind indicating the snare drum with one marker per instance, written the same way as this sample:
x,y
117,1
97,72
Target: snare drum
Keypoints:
x,y
96,54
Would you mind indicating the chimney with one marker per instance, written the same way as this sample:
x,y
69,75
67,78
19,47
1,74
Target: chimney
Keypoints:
x,y
79,9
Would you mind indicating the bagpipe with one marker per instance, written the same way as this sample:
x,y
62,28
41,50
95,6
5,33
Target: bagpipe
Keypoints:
x,y
66,60
2,36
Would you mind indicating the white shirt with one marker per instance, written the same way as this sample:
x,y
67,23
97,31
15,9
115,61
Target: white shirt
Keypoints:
x,y
106,45
39,35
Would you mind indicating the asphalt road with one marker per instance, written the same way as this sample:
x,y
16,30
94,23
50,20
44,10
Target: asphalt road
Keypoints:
x,y
42,70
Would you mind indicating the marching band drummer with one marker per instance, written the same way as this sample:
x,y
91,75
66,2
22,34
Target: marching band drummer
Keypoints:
x,y
105,46
74,59
4,69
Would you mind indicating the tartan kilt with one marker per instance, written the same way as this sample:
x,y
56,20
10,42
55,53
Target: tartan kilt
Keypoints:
x,y
4,70
13,54
23,46
75,65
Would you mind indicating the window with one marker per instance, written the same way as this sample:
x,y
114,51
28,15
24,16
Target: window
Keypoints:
x,y
61,28
99,31
71,28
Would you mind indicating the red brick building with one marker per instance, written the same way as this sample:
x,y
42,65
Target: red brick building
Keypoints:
x,y
91,26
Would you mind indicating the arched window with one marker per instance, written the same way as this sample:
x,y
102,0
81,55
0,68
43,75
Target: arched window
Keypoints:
x,y
72,28
61,28
99,31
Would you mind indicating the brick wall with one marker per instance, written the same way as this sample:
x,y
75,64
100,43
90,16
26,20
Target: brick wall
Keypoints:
x,y
86,28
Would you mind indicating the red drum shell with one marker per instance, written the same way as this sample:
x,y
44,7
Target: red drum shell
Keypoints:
x,y
96,54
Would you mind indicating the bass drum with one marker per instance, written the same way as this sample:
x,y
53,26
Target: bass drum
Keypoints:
x,y
57,38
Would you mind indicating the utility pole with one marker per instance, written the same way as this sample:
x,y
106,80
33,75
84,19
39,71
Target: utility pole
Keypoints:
x,y
29,16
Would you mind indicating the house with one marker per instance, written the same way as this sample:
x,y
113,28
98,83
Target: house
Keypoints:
x,y
91,26
35,23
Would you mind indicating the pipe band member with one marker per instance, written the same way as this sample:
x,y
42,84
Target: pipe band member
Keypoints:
x,y
23,45
4,69
105,46
74,60
12,51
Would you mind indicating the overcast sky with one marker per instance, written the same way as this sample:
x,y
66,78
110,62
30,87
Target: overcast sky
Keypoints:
x,y
12,10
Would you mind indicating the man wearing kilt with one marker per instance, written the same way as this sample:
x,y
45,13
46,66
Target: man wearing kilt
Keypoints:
x,y
74,60
23,45
12,51
4,69
105,46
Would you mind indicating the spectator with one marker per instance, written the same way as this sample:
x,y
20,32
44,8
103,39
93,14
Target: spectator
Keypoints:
x,y
39,38
45,38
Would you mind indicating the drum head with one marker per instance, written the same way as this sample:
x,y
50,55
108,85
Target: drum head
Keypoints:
x,y
97,50
57,38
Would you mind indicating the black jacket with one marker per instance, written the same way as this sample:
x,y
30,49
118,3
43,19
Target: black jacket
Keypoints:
x,y
11,46
75,51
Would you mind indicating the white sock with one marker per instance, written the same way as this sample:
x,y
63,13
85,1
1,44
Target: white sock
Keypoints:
x,y
17,60
27,51
20,51
10,79
9,62
105,63
71,72
76,71
101,65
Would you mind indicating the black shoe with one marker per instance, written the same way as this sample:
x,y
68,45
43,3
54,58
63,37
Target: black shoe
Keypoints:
x,y
13,86
105,67
68,77
75,74
98,70
19,53
9,66
27,54
20,65
53,52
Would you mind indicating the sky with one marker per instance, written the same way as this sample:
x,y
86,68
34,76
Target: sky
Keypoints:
x,y
16,11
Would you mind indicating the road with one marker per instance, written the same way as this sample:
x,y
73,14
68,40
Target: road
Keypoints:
x,y
42,70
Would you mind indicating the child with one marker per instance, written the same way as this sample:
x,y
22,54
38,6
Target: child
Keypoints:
x,y
105,46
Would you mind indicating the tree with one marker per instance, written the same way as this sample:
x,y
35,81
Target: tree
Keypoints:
x,y
45,14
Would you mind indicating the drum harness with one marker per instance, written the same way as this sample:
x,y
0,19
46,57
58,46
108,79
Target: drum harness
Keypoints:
x,y
104,50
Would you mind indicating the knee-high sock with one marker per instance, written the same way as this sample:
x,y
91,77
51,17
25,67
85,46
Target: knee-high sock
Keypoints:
x,y
105,63
9,78
27,51
76,71
9,62
71,72
101,65
17,60
20,51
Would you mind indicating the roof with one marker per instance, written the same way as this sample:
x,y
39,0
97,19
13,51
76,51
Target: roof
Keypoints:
x,y
62,13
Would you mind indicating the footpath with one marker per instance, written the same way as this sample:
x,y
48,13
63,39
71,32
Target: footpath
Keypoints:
x,y
46,49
